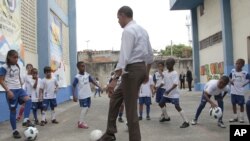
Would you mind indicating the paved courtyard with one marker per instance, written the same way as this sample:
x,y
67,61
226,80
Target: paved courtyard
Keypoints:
x,y
68,114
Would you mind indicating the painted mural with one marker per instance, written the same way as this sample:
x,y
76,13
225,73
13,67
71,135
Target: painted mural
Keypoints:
x,y
213,70
56,52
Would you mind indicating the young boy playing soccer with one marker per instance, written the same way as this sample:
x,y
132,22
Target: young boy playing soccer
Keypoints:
x,y
172,94
238,78
159,84
82,83
213,88
145,93
47,93
34,85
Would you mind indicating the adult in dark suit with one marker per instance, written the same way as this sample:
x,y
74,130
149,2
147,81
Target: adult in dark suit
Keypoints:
x,y
189,79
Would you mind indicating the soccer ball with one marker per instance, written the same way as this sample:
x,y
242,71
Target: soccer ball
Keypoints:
x,y
95,135
31,133
215,112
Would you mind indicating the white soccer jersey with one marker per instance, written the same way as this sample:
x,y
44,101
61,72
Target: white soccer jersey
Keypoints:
x,y
145,89
34,92
27,87
158,78
49,86
171,78
212,89
82,82
12,76
239,79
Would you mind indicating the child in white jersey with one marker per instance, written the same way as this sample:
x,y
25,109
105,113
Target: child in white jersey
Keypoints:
x,y
239,78
82,83
47,93
172,94
10,80
159,84
145,93
28,90
213,88
34,85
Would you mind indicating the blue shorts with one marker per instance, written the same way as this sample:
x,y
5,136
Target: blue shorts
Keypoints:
x,y
174,101
85,102
19,95
145,100
159,94
238,99
49,102
37,105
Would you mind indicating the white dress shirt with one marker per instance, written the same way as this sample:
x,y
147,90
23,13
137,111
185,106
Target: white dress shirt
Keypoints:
x,y
135,46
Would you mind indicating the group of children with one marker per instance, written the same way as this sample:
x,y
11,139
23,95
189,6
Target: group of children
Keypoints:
x,y
41,93
29,91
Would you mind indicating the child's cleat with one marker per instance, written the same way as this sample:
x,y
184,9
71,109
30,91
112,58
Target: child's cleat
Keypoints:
x,y
165,119
18,118
184,125
120,119
54,121
28,124
194,122
241,120
233,120
36,122
148,117
221,124
42,123
16,134
140,118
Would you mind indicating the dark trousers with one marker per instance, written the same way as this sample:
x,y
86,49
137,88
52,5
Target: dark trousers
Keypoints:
x,y
182,84
127,91
189,85
248,110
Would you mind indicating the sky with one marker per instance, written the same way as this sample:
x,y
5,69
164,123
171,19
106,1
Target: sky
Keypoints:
x,y
98,27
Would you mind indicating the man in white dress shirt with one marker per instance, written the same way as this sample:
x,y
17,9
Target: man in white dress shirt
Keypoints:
x,y
134,64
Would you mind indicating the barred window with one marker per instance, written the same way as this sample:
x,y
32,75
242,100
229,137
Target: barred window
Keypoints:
x,y
211,40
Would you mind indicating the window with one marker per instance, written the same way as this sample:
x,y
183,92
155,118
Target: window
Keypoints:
x,y
211,40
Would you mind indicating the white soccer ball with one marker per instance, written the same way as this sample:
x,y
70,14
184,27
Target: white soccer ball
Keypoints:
x,y
215,112
31,133
95,135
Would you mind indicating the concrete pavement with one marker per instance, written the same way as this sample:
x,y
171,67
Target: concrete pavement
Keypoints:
x,y
68,114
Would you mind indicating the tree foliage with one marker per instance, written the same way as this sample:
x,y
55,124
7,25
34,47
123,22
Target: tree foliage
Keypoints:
x,y
179,50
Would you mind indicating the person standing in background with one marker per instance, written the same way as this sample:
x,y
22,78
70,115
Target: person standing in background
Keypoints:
x,y
189,79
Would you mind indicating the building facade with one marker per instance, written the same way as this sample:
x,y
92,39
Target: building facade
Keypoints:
x,y
220,36
47,38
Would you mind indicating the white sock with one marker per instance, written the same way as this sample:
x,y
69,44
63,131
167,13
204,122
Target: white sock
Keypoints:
x,y
235,116
242,115
43,115
164,111
183,116
83,113
53,114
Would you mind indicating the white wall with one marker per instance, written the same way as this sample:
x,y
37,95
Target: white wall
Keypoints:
x,y
240,10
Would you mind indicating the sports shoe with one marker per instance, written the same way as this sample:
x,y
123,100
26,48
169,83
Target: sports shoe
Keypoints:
x,y
221,124
194,122
184,125
241,120
140,118
165,119
36,122
16,134
18,118
120,119
83,125
45,122
42,123
148,117
233,120
28,124
54,121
